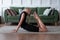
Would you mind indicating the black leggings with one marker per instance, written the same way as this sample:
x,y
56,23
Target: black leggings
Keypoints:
x,y
30,28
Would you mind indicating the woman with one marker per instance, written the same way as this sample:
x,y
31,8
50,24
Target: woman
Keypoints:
x,y
22,22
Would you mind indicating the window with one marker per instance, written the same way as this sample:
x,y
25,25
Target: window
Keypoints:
x,y
46,3
36,3
6,3
26,3
17,2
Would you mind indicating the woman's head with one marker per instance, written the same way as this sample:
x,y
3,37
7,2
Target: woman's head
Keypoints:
x,y
28,10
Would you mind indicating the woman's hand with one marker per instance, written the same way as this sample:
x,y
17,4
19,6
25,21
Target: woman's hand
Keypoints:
x,y
14,31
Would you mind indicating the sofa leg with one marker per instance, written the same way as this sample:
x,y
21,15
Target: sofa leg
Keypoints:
x,y
5,23
55,23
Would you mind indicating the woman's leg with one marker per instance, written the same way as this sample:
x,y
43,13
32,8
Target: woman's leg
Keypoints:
x,y
42,27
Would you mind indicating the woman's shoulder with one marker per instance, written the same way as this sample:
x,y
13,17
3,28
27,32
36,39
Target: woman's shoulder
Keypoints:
x,y
23,12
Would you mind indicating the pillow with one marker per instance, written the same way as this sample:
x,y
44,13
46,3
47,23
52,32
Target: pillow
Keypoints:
x,y
46,12
52,11
20,10
8,12
11,12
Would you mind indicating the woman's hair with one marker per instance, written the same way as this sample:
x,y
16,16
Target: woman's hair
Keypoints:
x,y
26,8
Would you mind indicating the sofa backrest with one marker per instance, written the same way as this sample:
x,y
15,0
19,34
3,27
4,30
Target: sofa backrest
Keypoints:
x,y
16,8
40,10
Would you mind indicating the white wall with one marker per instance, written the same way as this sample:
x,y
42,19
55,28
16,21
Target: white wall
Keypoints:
x,y
4,4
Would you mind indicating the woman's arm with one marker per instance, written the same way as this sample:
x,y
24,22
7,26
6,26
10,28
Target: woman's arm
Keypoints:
x,y
20,22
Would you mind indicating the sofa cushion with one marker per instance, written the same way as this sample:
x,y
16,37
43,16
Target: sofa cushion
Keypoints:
x,y
13,19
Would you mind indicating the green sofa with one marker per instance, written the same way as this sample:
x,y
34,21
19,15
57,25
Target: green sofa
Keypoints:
x,y
39,10
12,19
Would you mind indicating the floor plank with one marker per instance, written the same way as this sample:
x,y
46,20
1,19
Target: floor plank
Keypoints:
x,y
29,36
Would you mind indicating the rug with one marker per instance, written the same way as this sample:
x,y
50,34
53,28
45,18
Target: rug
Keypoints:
x,y
51,30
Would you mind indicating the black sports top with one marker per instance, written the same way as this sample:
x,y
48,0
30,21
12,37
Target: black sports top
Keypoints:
x,y
27,26
24,21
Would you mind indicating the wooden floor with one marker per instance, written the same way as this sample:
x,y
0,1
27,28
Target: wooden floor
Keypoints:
x,y
10,36
21,36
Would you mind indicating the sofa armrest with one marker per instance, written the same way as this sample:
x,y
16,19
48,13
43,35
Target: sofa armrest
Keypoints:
x,y
56,14
5,17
